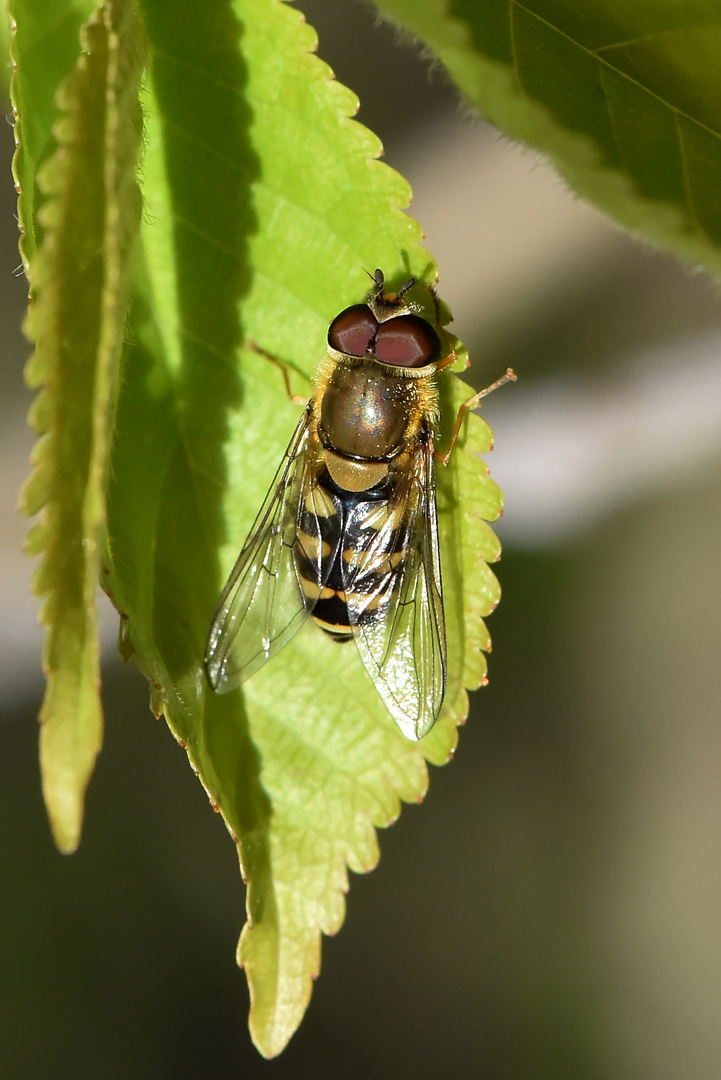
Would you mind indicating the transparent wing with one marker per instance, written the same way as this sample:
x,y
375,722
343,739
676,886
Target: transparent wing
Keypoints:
x,y
392,579
268,594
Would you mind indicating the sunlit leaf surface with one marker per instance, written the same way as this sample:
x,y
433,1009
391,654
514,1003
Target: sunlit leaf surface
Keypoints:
x,y
265,206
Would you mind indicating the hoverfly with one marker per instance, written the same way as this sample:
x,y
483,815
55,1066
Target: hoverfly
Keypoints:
x,y
348,533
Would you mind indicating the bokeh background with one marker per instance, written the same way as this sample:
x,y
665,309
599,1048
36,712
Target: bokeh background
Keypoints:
x,y
554,908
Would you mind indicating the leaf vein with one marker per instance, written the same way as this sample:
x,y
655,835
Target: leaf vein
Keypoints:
x,y
512,34
198,339
234,164
334,765
644,38
214,241
611,121
619,71
685,174
195,69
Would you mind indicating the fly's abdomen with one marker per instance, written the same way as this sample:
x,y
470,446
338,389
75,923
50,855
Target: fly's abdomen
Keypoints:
x,y
330,610
319,524
324,570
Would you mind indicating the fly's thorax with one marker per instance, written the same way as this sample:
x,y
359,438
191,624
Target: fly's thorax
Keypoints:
x,y
367,412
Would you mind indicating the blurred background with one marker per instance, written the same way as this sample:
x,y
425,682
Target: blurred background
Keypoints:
x,y
554,908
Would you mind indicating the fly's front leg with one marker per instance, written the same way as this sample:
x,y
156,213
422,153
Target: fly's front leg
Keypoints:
x,y
297,399
472,402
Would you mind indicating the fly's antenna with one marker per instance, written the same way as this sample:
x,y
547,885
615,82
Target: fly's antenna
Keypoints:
x,y
404,288
389,298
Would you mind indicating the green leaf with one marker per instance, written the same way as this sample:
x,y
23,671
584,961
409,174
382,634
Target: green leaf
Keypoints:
x,y
265,205
5,51
625,98
44,48
79,275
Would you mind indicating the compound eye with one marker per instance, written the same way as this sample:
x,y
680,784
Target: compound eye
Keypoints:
x,y
352,331
407,341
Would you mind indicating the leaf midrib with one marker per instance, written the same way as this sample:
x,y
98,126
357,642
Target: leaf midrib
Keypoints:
x,y
602,60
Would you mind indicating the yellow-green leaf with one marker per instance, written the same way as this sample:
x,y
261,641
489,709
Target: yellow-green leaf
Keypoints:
x,y
266,205
79,276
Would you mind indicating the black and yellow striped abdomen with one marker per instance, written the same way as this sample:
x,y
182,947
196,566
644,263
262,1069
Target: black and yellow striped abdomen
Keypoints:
x,y
328,605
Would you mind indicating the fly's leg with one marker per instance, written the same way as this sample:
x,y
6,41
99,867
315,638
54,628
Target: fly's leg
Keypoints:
x,y
297,399
472,402
450,359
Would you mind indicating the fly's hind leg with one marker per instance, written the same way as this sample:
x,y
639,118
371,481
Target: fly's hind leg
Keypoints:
x,y
472,402
283,366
